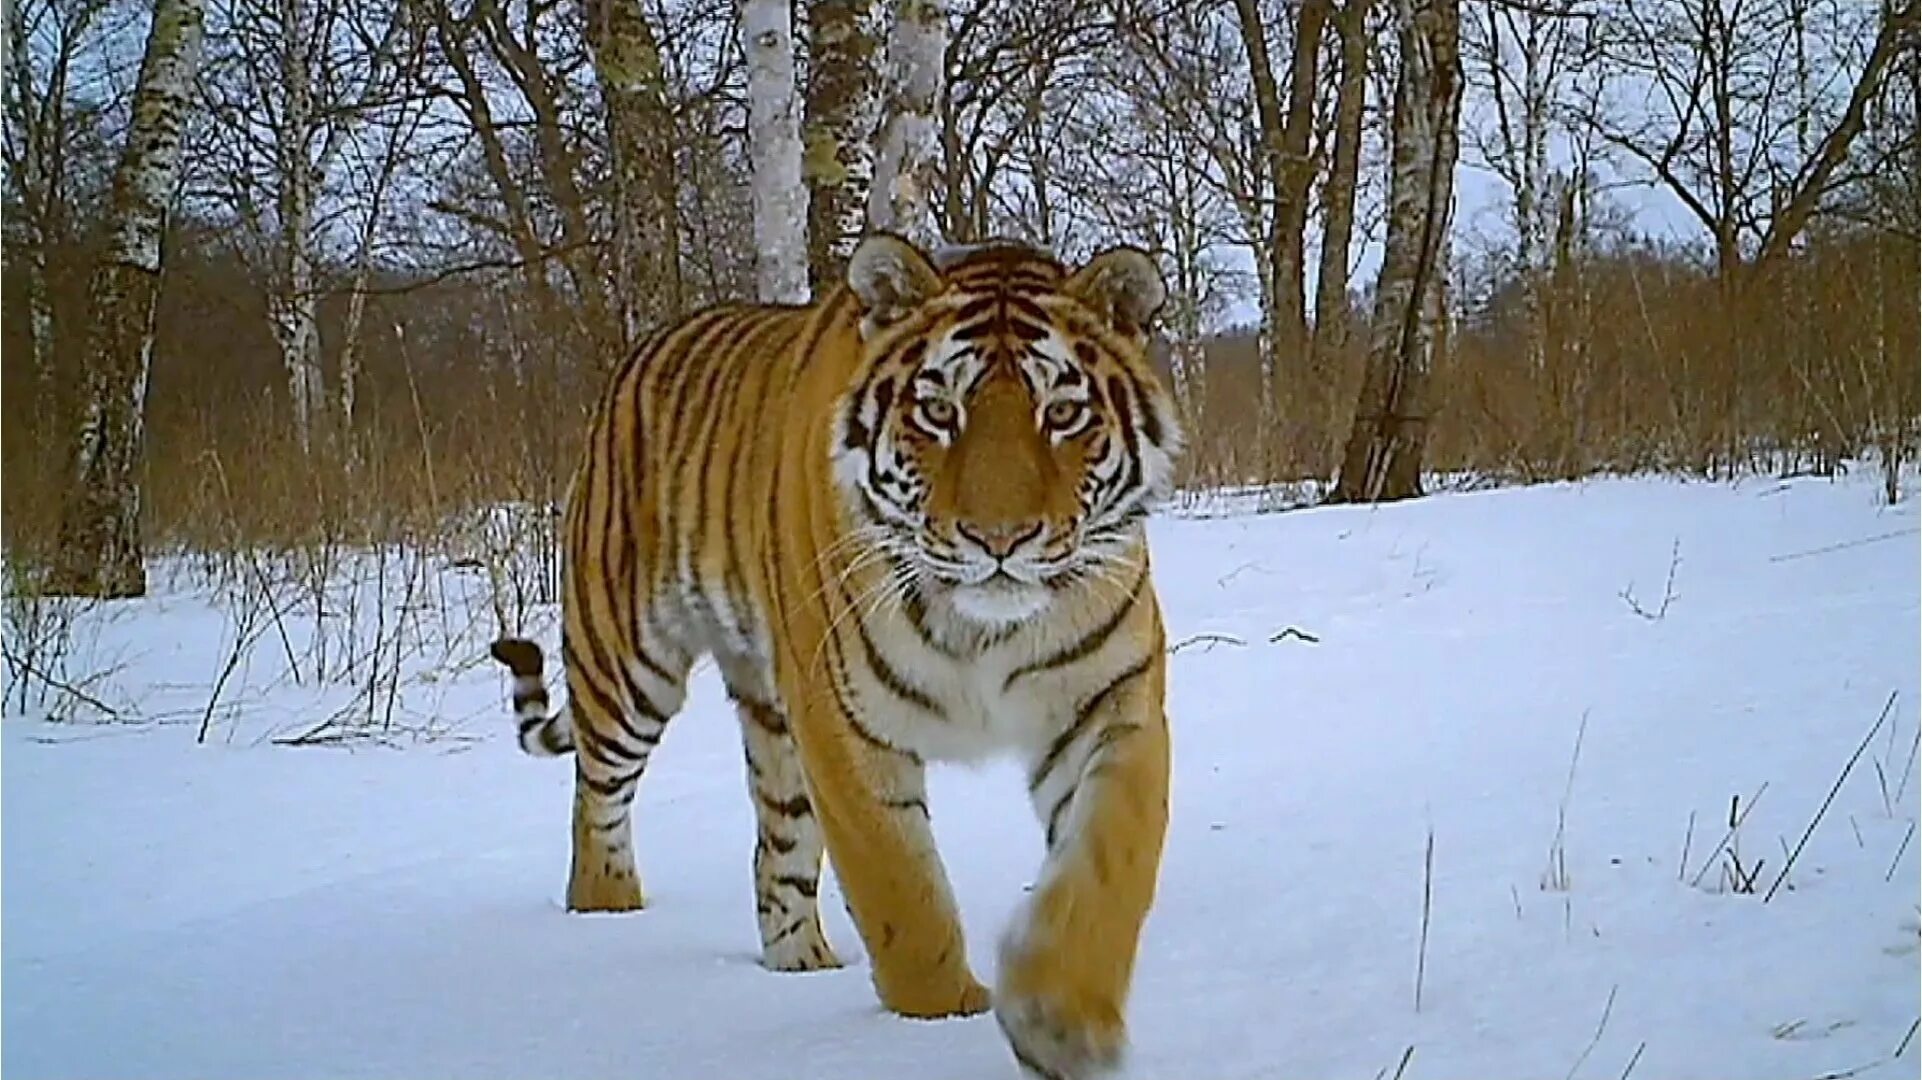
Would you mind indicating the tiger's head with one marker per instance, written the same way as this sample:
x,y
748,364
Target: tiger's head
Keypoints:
x,y
1006,436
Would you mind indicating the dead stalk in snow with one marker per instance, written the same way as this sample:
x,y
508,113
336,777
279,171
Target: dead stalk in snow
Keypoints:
x,y
1668,589
1897,861
1400,1066
1681,869
1208,640
1427,902
1887,708
1728,836
1608,1007
1633,1059
1555,877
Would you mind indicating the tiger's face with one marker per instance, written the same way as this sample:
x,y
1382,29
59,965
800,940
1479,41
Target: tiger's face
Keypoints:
x,y
1007,435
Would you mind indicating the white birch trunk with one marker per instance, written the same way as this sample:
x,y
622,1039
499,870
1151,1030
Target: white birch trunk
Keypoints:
x,y
1383,457
774,144
100,529
907,159
292,303
843,108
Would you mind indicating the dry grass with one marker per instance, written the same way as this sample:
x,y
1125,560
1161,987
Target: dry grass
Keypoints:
x,y
468,402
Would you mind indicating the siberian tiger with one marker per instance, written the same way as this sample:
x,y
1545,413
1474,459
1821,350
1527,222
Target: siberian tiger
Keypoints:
x,y
907,522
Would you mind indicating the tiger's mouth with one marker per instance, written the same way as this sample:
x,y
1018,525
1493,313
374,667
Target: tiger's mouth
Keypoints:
x,y
999,599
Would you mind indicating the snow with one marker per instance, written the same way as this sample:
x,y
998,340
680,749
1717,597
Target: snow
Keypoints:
x,y
392,909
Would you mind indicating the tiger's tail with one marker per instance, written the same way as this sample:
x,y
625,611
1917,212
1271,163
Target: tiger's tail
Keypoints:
x,y
542,733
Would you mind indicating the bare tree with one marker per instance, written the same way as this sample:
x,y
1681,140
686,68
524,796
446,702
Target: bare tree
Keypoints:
x,y
1338,195
1384,454
1520,59
288,83
907,157
45,40
100,552
1710,120
1286,132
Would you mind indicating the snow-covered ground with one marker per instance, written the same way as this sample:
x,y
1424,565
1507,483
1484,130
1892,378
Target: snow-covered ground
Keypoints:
x,y
1348,683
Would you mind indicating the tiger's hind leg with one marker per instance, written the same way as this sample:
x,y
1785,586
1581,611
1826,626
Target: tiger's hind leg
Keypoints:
x,y
623,696
788,844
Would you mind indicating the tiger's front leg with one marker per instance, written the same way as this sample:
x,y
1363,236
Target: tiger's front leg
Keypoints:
x,y
1067,957
872,803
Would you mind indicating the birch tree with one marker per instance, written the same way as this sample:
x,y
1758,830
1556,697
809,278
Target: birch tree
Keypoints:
x,y
100,552
289,83
45,42
843,105
1519,58
1384,453
641,137
907,159
774,145
1338,197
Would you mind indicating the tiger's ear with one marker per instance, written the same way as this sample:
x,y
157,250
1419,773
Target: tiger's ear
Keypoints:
x,y
1123,285
890,277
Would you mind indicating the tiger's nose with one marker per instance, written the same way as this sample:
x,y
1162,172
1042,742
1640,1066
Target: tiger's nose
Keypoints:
x,y
1000,540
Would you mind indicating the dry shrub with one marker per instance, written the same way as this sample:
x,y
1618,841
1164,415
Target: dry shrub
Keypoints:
x,y
470,401
1647,363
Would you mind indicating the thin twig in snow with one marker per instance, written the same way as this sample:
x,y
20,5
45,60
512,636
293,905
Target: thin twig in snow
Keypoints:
x,y
1400,1066
1903,785
1897,534
1897,861
1555,877
1633,1058
1681,869
1607,1008
1857,1070
1668,589
21,663
1729,835
1427,900
1210,640
1839,781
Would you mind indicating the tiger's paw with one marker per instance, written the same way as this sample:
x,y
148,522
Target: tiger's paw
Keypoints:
x,y
801,947
1053,1039
611,890
1059,1019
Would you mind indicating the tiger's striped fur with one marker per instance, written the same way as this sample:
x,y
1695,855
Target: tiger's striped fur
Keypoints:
x,y
907,521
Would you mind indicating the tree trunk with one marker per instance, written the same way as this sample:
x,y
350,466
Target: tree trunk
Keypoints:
x,y
907,165
100,528
1338,215
647,242
1384,454
1291,169
291,304
1296,175
843,104
774,144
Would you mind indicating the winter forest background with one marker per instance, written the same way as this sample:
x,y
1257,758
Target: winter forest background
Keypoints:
x,y
403,242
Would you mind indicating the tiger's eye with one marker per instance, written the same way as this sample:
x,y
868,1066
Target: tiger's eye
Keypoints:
x,y
1062,414
939,411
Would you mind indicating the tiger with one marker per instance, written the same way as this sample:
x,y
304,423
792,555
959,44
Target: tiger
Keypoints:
x,y
908,523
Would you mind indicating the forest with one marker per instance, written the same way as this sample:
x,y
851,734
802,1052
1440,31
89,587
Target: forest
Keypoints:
x,y
324,272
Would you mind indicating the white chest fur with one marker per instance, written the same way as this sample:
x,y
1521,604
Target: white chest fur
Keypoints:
x,y
950,690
